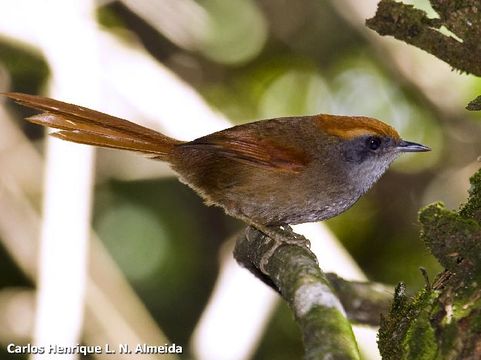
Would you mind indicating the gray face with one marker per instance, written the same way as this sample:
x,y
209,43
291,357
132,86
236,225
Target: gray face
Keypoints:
x,y
369,156
366,148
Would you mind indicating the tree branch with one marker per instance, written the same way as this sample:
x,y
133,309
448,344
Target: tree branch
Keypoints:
x,y
442,321
364,302
474,105
294,271
462,50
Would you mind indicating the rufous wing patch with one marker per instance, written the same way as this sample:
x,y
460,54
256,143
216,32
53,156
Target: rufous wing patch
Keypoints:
x,y
247,148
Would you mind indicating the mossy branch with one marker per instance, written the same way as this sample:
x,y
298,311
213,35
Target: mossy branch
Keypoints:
x,y
294,272
442,321
461,50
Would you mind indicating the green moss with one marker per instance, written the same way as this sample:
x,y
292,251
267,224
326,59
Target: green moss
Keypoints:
x,y
466,301
455,240
420,341
335,335
400,298
448,340
474,105
436,324
476,322
414,27
392,329
400,334
473,207
446,232
445,323
460,310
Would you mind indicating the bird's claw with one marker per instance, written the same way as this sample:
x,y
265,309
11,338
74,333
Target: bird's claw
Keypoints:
x,y
281,236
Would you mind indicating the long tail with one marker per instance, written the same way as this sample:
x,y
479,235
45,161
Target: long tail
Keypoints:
x,y
86,126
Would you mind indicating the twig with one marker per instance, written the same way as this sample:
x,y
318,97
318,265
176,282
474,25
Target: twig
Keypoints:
x,y
364,302
411,25
460,49
474,105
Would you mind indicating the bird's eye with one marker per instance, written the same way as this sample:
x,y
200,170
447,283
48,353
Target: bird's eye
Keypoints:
x,y
373,143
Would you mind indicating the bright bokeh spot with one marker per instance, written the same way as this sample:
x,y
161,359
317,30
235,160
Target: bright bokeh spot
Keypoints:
x,y
136,239
236,31
295,92
362,89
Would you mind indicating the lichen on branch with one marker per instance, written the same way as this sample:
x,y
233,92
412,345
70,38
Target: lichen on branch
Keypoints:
x,y
294,272
462,18
442,321
474,105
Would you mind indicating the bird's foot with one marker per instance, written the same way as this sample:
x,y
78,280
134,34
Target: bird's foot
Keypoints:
x,y
280,236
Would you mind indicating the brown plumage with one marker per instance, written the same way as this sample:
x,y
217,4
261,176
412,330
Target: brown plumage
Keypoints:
x,y
86,126
268,173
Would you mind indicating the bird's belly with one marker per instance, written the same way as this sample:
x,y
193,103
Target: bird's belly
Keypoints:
x,y
263,196
284,206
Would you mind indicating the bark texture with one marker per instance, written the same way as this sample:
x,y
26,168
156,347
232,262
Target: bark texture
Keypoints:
x,y
454,36
443,321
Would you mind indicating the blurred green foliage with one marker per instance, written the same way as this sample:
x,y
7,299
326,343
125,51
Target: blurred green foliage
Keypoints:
x,y
170,265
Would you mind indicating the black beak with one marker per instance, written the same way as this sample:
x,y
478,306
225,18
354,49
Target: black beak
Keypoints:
x,y
407,146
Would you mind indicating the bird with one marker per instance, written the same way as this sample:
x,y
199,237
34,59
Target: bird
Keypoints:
x,y
270,173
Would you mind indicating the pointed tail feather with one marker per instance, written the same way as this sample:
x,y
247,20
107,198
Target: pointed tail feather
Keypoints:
x,y
86,126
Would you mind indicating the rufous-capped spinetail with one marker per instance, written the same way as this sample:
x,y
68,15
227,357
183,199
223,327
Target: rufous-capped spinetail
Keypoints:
x,y
269,173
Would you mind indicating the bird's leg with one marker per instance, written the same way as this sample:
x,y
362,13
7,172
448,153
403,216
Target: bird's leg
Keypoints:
x,y
280,235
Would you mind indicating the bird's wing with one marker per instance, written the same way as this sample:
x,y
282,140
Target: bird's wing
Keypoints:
x,y
251,148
